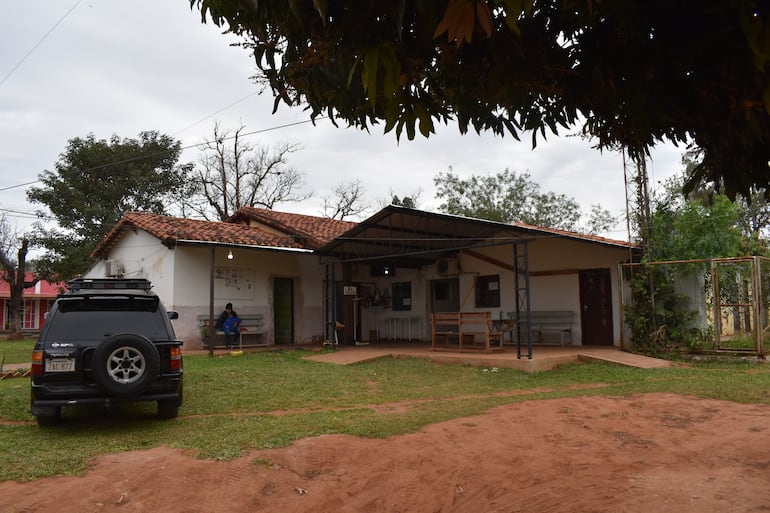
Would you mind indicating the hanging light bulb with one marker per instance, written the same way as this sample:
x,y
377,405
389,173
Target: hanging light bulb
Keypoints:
x,y
230,255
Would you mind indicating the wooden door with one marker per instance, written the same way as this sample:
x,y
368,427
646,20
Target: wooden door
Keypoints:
x,y
596,304
283,310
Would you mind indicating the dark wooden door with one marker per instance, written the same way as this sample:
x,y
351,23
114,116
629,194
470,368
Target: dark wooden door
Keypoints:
x,y
596,304
283,310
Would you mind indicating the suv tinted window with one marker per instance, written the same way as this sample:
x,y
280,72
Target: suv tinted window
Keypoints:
x,y
75,319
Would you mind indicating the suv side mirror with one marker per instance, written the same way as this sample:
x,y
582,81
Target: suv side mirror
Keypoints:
x,y
173,315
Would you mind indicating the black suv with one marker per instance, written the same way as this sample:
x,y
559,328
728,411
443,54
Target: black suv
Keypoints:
x,y
106,341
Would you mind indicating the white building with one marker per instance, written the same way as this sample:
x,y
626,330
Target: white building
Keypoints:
x,y
381,278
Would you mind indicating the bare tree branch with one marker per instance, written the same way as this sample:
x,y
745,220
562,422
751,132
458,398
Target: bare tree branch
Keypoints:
x,y
234,173
347,201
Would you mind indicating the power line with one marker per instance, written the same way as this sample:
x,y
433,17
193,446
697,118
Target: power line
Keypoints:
x,y
7,76
236,102
195,145
18,185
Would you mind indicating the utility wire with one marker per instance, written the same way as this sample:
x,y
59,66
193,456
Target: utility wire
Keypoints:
x,y
195,145
7,76
236,102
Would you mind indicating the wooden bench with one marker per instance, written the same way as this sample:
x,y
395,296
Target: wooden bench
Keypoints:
x,y
464,330
252,325
548,321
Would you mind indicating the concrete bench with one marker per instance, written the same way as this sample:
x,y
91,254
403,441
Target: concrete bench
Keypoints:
x,y
252,325
560,322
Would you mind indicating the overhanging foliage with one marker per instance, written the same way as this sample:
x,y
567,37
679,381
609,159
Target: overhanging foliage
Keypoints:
x,y
633,73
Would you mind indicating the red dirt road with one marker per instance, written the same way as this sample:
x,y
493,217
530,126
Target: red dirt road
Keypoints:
x,y
647,453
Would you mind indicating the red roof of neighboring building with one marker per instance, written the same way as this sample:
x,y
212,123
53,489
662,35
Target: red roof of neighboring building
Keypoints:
x,y
42,289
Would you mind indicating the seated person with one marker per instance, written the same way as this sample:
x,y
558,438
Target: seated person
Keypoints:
x,y
230,327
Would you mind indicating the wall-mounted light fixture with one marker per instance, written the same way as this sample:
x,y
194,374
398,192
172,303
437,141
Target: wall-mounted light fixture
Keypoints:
x,y
230,255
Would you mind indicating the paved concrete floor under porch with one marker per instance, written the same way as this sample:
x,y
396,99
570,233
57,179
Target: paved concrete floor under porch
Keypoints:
x,y
543,357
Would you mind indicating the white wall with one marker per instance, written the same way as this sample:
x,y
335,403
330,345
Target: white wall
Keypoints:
x,y
181,278
247,282
556,263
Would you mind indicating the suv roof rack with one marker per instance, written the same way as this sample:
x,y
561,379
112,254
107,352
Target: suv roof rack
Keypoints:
x,y
108,283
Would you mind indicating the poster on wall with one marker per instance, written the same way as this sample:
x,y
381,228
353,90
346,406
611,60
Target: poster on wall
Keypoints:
x,y
233,283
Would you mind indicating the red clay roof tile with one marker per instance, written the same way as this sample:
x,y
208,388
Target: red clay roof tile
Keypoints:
x,y
172,230
316,231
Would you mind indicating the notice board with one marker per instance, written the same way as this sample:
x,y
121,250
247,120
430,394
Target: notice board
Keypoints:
x,y
233,283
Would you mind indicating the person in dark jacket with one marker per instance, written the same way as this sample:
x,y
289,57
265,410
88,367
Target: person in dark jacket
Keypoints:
x,y
228,322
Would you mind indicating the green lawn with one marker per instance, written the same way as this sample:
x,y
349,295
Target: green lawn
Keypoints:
x,y
17,351
260,400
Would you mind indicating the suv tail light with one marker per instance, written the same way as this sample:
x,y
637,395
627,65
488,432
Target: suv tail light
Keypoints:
x,y
37,363
176,358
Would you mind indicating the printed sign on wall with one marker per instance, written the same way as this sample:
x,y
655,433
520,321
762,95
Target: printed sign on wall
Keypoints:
x,y
233,282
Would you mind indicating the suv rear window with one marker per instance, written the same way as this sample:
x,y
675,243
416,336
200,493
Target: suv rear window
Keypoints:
x,y
74,320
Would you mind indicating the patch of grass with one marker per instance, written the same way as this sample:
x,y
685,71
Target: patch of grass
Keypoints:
x,y
16,351
262,400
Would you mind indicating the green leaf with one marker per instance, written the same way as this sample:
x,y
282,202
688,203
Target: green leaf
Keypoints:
x,y
391,71
426,122
352,71
513,8
766,98
369,74
321,7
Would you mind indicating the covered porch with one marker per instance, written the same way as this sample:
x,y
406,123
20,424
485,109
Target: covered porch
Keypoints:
x,y
389,275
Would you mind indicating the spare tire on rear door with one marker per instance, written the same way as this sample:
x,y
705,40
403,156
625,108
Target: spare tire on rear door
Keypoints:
x,y
126,364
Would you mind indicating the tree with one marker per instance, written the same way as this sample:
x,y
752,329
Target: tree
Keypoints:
x,y
94,183
510,197
693,227
406,201
235,174
753,210
346,202
701,225
599,220
14,272
633,73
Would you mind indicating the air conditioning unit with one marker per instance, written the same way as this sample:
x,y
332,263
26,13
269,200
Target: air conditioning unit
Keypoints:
x,y
113,269
448,267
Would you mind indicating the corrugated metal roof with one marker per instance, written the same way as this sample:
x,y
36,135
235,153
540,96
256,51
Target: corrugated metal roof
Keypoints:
x,y
415,237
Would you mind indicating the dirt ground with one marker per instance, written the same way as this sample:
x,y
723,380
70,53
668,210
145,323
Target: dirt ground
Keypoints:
x,y
647,453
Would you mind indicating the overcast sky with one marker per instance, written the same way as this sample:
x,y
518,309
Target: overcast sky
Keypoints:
x,y
116,67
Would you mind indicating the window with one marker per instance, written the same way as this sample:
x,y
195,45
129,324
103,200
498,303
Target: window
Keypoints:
x,y
488,291
402,295
28,314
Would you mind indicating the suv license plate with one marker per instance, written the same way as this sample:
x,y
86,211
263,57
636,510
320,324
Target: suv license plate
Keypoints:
x,y
60,365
